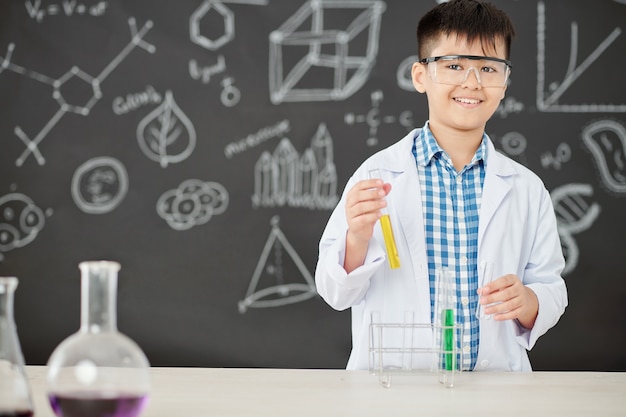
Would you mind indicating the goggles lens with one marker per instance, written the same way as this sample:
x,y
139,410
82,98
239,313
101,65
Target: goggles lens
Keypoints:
x,y
455,70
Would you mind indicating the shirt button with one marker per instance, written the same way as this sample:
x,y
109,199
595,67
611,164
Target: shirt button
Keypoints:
x,y
484,363
465,301
463,260
466,349
459,179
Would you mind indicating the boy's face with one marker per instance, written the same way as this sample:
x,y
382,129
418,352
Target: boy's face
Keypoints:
x,y
461,108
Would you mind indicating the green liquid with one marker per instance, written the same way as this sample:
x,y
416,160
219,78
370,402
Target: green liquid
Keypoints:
x,y
448,339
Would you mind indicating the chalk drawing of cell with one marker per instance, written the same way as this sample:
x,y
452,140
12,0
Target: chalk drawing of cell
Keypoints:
x,y
284,178
166,135
325,51
606,139
548,98
192,203
20,221
575,213
99,185
73,79
269,287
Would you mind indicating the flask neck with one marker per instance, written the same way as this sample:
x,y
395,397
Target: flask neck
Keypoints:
x,y
7,290
98,296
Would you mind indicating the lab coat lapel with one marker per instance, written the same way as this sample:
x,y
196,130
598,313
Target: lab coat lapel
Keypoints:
x,y
495,187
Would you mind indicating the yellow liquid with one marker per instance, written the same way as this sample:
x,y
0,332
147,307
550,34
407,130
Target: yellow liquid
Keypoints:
x,y
390,242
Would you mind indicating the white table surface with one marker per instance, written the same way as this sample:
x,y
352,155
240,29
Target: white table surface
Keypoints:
x,y
206,392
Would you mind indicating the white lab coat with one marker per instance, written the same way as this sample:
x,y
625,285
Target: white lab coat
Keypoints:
x,y
517,235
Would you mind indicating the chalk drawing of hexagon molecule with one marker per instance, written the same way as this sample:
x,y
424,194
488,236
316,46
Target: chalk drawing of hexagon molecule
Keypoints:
x,y
331,42
202,12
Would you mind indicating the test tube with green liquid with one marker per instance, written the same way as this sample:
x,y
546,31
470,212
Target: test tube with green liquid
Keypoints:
x,y
385,225
446,294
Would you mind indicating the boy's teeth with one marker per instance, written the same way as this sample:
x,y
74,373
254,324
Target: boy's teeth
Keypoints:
x,y
467,100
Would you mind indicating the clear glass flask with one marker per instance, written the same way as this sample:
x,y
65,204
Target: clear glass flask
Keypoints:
x,y
15,398
98,371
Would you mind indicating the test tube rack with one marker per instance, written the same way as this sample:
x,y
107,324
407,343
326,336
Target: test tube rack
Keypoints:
x,y
393,351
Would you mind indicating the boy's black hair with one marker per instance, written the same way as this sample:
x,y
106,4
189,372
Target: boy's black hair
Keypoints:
x,y
473,19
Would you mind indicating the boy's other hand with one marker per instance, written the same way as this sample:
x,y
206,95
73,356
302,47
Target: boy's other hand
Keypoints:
x,y
513,300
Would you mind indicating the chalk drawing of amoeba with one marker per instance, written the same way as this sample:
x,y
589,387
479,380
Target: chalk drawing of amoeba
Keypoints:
x,y
193,203
20,221
99,185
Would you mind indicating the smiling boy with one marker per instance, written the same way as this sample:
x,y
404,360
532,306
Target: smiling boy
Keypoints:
x,y
455,203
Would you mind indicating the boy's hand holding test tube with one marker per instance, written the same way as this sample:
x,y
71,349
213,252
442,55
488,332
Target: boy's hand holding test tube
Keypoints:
x,y
365,203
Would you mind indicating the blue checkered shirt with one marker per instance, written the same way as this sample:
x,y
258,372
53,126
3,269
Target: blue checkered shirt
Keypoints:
x,y
451,202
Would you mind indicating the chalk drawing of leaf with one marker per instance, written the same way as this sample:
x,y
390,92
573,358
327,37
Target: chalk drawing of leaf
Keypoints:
x,y
166,135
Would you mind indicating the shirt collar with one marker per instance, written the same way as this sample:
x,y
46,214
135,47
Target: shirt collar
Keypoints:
x,y
427,148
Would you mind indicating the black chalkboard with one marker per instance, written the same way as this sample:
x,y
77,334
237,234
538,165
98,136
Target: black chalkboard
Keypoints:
x,y
202,144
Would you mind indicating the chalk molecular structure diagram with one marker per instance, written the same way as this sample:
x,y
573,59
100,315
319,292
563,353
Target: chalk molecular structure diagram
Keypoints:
x,y
374,118
93,83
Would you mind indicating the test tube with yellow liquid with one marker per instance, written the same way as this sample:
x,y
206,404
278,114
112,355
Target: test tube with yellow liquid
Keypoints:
x,y
385,225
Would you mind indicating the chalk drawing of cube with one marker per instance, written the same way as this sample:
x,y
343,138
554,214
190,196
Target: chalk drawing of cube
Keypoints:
x,y
325,51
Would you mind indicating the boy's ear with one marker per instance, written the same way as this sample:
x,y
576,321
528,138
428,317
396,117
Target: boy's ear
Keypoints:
x,y
418,75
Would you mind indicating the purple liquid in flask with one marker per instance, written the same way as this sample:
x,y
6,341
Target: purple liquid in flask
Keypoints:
x,y
97,405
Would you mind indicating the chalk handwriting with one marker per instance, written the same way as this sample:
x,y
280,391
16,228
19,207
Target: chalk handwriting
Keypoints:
x,y
204,74
257,138
68,8
374,119
509,106
134,101
562,154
